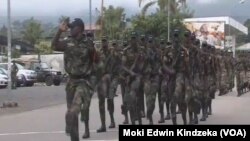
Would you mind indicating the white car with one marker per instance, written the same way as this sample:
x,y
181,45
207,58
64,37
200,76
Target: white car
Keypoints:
x,y
3,81
25,77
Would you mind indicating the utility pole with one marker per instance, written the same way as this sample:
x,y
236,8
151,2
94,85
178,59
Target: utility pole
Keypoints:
x,y
9,103
9,51
102,17
168,20
90,14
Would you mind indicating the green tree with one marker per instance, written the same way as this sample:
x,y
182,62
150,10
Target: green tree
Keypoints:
x,y
62,18
15,53
175,6
155,24
43,48
33,31
113,22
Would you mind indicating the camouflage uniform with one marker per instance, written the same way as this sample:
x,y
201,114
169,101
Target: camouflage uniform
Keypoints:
x,y
152,79
167,81
212,80
224,74
182,86
14,71
239,75
195,78
133,65
107,84
122,82
79,59
142,43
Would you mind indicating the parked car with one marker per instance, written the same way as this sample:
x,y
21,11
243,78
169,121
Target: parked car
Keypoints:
x,y
25,77
3,80
45,73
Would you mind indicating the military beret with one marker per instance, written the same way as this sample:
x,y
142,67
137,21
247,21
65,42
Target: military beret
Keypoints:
x,y
104,38
133,34
114,43
77,22
169,43
187,33
90,34
176,32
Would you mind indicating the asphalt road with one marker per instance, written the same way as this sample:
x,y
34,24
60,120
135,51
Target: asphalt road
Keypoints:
x,y
47,123
30,98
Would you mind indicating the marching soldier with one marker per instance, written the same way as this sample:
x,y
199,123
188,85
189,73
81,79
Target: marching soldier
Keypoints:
x,y
79,60
132,64
105,89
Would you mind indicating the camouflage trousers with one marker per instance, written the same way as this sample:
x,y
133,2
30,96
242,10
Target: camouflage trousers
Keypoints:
x,y
131,99
167,90
231,80
195,101
224,83
182,94
208,91
239,81
13,81
106,89
151,87
78,94
212,86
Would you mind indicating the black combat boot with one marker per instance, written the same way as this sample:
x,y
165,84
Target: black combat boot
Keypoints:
x,y
126,119
150,118
112,124
86,134
162,118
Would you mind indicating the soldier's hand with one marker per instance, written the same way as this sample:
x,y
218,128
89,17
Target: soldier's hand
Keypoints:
x,y
64,26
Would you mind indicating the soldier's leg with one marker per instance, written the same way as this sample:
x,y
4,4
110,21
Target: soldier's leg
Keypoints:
x,y
138,108
111,112
132,107
87,93
141,99
212,96
123,106
102,88
196,107
110,101
162,99
190,105
204,105
71,119
81,101
151,97
171,89
179,87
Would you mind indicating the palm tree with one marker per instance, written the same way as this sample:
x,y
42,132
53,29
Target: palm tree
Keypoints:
x,y
113,21
174,5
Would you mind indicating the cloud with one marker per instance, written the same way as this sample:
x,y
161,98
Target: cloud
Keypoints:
x,y
207,1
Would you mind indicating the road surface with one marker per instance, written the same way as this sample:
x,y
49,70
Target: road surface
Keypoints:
x,y
46,122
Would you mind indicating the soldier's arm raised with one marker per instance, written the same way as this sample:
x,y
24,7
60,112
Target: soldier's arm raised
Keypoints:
x,y
60,45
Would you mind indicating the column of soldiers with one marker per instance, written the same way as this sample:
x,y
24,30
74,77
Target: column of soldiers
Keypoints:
x,y
179,74
242,72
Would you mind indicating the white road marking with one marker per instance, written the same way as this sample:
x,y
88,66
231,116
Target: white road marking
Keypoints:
x,y
51,132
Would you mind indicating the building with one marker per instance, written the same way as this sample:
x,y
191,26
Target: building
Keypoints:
x,y
218,31
24,47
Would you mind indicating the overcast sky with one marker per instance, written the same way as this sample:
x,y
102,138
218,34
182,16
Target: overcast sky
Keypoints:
x,y
49,8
